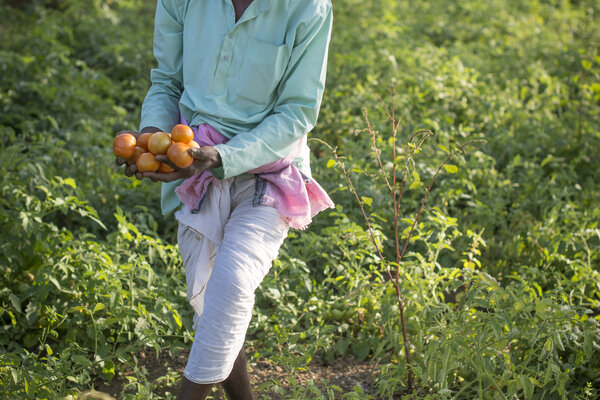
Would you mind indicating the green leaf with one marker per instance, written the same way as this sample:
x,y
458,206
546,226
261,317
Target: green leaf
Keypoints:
x,y
548,374
330,163
547,159
358,389
275,293
81,360
98,307
109,369
451,169
588,344
367,200
32,312
177,319
54,281
415,185
13,320
15,301
527,386
70,182
586,64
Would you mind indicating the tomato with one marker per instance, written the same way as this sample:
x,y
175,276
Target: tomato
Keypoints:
x,y
178,154
165,168
195,144
124,145
137,151
182,133
142,140
159,142
147,163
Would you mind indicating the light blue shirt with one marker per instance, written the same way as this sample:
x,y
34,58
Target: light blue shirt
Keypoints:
x,y
259,81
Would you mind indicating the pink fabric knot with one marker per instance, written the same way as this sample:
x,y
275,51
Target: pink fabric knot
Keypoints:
x,y
296,197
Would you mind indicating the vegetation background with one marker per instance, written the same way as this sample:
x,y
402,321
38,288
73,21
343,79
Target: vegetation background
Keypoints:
x,y
499,283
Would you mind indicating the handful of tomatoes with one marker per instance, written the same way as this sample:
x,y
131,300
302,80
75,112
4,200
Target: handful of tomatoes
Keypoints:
x,y
142,151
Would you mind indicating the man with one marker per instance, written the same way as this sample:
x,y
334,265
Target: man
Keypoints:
x,y
248,76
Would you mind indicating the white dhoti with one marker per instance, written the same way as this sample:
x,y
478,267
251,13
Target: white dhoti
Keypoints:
x,y
227,249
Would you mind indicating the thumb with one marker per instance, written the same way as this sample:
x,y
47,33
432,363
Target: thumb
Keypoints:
x,y
196,152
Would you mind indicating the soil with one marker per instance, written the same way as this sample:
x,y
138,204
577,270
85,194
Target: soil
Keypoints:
x,y
269,380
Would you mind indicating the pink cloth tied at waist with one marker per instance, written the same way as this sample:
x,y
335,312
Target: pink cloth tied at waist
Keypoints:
x,y
296,197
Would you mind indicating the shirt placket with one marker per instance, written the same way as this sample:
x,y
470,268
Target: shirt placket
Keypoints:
x,y
229,42
225,59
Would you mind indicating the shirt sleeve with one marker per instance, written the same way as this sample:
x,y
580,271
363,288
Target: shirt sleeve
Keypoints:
x,y
161,105
296,109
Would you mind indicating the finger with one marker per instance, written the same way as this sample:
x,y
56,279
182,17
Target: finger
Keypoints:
x,y
139,175
120,161
130,170
166,160
134,133
195,152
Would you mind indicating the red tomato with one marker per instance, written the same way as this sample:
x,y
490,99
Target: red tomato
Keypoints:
x,y
182,133
159,142
178,154
124,145
142,140
147,163
137,151
165,168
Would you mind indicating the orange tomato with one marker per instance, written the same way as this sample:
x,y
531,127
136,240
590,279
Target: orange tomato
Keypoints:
x,y
178,154
142,140
137,151
159,142
195,144
165,168
147,163
182,133
124,145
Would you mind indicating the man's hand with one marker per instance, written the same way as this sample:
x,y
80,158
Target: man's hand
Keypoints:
x,y
205,158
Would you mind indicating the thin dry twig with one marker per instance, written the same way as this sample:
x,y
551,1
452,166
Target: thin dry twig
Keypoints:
x,y
396,190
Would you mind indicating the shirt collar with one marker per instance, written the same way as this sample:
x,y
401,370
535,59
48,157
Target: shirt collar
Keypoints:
x,y
256,8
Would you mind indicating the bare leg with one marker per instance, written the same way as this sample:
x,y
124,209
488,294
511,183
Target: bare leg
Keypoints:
x,y
237,385
193,391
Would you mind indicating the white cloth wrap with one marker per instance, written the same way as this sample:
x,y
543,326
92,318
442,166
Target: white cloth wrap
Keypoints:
x,y
227,249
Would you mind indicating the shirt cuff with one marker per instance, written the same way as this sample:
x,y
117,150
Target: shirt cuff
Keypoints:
x,y
220,172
